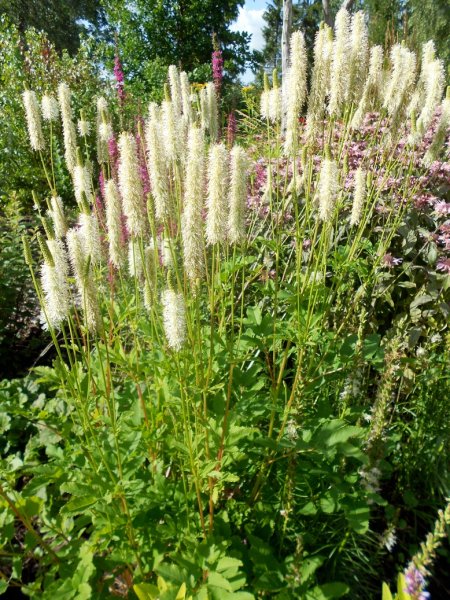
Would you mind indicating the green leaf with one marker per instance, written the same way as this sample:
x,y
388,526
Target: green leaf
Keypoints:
x,y
309,509
217,580
227,562
328,504
401,587
386,592
327,591
358,518
3,586
171,573
76,505
309,566
146,591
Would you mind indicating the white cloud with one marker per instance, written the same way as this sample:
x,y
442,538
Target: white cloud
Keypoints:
x,y
251,21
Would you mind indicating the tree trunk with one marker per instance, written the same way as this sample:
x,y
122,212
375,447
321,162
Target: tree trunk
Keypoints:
x,y
328,16
286,35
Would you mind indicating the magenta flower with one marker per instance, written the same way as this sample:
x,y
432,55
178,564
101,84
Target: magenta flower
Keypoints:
x,y
145,178
101,183
415,584
231,128
443,265
442,208
391,261
217,69
113,152
120,79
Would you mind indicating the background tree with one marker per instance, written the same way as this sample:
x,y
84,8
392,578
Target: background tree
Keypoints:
x,y
155,34
430,19
62,20
306,15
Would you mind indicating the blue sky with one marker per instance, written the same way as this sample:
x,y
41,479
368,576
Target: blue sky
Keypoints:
x,y
251,20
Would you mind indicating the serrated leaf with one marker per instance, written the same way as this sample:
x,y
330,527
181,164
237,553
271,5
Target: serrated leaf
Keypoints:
x,y
227,562
217,580
78,504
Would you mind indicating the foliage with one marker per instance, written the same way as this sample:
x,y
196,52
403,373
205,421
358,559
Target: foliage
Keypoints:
x,y
306,15
61,21
179,33
20,336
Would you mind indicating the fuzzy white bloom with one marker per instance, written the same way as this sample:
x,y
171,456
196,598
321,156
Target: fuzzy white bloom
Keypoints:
x,y
151,261
82,270
294,89
192,224
82,183
418,98
130,185
174,317
212,111
428,52
64,97
186,97
359,196
84,127
275,105
57,215
237,194
69,132
170,131
439,137
114,223
375,76
33,117
157,166
90,237
55,285
402,77
175,90
135,263
434,88
264,104
373,86
102,106
359,55
204,109
339,73
105,131
216,219
323,47
328,189
167,251
102,143
50,108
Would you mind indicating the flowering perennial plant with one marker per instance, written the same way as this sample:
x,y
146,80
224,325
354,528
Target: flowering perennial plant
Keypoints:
x,y
223,310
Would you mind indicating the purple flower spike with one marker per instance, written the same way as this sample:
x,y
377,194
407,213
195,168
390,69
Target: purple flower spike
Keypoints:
x,y
231,129
120,79
217,69
415,584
